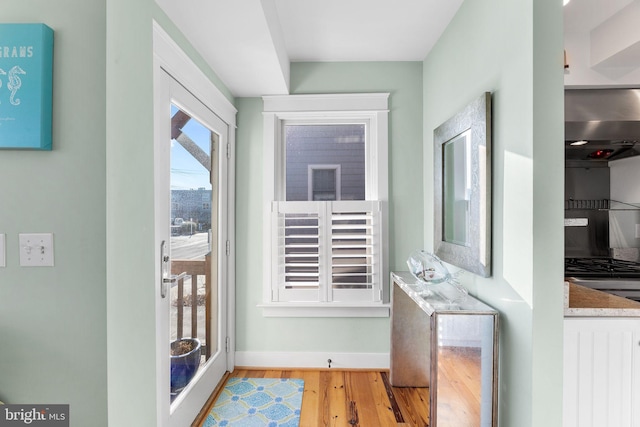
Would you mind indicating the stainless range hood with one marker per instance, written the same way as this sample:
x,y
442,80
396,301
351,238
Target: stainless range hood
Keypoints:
x,y
608,119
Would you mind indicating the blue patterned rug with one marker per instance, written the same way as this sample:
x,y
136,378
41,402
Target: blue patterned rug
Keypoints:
x,y
258,402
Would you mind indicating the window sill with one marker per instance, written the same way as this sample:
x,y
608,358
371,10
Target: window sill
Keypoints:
x,y
324,310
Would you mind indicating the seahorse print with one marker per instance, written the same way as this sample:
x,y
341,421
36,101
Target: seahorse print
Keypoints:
x,y
2,73
15,83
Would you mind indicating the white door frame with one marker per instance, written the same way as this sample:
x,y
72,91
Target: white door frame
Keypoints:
x,y
170,60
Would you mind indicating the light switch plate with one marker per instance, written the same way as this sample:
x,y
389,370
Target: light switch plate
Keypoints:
x,y
3,251
36,249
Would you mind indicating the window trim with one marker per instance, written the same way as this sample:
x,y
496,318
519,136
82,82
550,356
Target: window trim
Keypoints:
x,y
371,107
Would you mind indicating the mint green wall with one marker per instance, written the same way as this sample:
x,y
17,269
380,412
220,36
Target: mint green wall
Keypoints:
x,y
53,319
131,329
130,226
93,191
404,82
513,49
83,332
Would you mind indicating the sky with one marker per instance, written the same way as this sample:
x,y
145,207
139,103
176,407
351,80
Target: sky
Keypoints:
x,y
186,172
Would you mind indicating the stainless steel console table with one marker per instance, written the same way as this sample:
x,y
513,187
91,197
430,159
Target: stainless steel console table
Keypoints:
x,y
447,341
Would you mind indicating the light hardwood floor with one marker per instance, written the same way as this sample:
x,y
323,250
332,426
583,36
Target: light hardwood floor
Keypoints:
x,y
338,398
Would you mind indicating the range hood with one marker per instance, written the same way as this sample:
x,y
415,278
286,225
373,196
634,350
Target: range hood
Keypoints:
x,y
608,119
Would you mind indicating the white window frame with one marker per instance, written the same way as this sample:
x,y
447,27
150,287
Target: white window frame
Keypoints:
x,y
337,169
369,108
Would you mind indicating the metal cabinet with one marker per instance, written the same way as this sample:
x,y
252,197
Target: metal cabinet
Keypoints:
x,y
448,341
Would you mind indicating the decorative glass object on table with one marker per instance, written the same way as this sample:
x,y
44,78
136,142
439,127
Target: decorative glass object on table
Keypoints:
x,y
434,279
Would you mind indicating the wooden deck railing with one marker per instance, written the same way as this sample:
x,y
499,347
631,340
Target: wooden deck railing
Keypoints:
x,y
193,269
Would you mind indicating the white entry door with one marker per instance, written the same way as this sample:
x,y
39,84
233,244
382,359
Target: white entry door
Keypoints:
x,y
191,180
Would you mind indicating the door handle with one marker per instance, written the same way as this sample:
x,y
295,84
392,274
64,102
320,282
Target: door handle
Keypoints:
x,y
165,277
174,279
164,268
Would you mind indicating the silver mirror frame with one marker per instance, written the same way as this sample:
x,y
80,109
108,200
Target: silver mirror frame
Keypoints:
x,y
475,256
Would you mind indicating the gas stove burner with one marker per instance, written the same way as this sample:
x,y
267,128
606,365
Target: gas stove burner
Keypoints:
x,y
601,267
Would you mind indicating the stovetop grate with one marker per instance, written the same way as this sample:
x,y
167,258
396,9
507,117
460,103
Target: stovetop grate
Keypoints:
x,y
601,267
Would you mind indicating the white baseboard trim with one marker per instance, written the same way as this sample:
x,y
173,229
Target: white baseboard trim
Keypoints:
x,y
318,360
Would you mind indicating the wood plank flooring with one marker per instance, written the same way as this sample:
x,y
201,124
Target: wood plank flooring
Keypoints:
x,y
338,398
360,398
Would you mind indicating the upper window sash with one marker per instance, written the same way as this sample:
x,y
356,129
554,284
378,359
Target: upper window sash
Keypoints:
x,y
370,108
281,160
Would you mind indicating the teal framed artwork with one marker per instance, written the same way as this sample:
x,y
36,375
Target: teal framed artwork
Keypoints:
x,y
26,80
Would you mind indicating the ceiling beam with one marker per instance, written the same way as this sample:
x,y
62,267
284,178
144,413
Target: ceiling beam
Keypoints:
x,y
615,43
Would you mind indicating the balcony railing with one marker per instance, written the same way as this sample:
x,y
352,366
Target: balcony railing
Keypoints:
x,y
197,273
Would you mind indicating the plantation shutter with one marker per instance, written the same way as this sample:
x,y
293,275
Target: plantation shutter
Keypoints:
x,y
296,251
327,251
355,250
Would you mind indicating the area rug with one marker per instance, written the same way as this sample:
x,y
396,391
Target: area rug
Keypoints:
x,y
258,402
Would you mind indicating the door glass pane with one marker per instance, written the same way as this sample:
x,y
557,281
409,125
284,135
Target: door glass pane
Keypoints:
x,y
194,195
312,148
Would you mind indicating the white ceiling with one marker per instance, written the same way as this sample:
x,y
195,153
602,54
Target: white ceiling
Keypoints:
x,y
250,43
581,16
363,30
602,43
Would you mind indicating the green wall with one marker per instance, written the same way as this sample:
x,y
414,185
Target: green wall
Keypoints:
x,y
130,252
83,332
351,335
131,284
53,319
88,322
514,50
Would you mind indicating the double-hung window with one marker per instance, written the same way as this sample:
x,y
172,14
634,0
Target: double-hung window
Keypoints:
x,y
325,205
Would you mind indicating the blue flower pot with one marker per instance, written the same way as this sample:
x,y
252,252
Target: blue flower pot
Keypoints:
x,y
184,366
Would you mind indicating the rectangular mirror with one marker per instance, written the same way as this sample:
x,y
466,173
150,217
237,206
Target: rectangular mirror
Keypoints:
x,y
457,189
462,188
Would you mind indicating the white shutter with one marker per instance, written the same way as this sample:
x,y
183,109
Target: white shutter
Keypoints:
x,y
356,270
327,251
297,251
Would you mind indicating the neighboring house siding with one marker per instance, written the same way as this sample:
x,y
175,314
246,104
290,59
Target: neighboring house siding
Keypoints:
x,y
329,148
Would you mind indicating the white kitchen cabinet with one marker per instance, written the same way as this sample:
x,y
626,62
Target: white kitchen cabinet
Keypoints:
x,y
601,372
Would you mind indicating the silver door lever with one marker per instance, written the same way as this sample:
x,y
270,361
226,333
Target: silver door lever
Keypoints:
x,y
164,269
174,278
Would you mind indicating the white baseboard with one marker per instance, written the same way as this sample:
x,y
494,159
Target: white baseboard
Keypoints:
x,y
293,360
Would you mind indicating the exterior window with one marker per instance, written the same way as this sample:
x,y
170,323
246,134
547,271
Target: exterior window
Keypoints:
x,y
325,221
325,162
324,182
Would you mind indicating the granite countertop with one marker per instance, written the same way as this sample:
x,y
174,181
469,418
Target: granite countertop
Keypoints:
x,y
586,302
